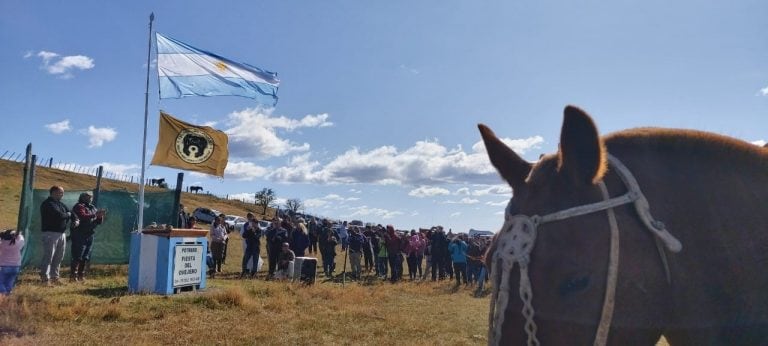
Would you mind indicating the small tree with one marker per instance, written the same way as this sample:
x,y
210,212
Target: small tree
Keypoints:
x,y
264,198
293,205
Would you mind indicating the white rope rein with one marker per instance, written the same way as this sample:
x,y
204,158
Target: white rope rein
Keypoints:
x,y
517,239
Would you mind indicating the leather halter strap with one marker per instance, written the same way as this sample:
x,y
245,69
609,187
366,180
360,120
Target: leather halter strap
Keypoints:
x,y
517,239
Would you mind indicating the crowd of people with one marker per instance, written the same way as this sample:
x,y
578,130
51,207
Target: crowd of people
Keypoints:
x,y
373,250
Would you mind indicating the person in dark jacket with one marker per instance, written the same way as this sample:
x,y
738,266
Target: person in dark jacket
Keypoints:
x,y
276,236
55,217
356,243
82,236
368,249
299,239
328,250
314,229
439,251
252,236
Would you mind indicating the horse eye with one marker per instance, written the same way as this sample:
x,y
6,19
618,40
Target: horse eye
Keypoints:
x,y
573,285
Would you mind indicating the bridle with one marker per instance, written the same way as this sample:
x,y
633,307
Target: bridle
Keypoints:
x,y
517,238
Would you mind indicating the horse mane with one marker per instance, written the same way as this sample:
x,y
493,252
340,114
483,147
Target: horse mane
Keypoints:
x,y
665,139
695,142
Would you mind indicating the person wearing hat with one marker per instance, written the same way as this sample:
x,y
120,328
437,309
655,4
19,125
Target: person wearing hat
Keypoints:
x,y
82,235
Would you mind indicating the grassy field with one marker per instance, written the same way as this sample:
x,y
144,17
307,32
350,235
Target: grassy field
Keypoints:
x,y
230,311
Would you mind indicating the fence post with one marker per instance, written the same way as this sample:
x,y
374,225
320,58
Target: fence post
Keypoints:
x,y
177,199
27,167
97,190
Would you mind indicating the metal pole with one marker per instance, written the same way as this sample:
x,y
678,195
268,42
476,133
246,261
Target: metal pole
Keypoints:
x,y
146,116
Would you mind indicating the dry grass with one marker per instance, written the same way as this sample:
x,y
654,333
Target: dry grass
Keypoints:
x,y
231,311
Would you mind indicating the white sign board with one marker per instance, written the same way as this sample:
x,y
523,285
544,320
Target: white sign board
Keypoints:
x,y
187,265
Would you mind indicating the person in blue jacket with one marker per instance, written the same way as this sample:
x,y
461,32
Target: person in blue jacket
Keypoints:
x,y
458,251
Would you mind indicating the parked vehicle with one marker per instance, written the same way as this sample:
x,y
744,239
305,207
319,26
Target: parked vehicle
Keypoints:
x,y
475,232
263,225
205,215
232,220
239,224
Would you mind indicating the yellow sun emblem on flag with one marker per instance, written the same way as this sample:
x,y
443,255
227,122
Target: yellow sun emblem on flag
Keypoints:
x,y
221,66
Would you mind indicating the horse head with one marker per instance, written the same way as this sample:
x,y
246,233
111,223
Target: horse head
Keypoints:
x,y
567,262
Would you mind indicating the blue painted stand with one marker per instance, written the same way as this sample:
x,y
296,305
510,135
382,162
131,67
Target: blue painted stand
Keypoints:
x,y
151,266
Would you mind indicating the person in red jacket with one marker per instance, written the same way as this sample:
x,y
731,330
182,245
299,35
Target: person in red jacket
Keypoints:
x,y
394,246
82,235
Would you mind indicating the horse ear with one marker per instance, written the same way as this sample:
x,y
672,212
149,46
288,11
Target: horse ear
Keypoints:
x,y
582,153
509,165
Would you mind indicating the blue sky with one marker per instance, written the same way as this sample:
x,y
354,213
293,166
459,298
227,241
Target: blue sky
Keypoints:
x,y
379,101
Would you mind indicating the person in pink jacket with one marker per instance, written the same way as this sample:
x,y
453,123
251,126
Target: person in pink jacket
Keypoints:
x,y
413,249
11,244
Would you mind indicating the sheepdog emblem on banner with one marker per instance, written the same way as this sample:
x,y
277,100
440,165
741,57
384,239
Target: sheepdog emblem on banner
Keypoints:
x,y
194,146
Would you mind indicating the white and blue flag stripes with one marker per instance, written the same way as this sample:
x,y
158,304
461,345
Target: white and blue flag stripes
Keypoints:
x,y
184,70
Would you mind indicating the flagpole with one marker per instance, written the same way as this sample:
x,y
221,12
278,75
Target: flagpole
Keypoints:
x,y
146,116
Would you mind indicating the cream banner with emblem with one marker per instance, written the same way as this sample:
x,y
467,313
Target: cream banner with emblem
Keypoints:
x,y
190,147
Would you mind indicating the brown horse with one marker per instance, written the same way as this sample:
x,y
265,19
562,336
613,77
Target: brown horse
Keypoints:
x,y
711,193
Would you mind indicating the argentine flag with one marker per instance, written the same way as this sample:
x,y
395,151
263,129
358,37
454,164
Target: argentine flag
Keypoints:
x,y
184,71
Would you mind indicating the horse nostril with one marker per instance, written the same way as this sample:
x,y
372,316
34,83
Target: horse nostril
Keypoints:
x,y
573,285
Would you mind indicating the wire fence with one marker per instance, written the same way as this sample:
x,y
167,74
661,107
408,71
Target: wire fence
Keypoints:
x,y
49,162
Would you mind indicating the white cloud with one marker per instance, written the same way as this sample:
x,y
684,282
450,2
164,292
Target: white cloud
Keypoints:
x,y
97,136
46,56
355,191
465,200
759,142
364,211
242,170
497,204
210,123
28,54
247,197
521,146
333,197
456,214
462,191
415,213
426,163
428,191
119,168
63,66
764,91
60,127
315,203
501,189
254,133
